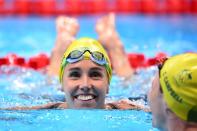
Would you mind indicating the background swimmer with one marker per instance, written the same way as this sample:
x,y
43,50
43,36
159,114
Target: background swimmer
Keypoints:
x,y
67,29
173,97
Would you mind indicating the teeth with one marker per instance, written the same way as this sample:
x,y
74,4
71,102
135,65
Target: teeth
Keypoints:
x,y
85,97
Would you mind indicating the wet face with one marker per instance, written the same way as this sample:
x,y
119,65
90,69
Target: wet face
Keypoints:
x,y
157,105
85,85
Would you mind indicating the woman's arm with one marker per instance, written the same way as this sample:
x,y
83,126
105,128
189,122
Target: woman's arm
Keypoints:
x,y
57,105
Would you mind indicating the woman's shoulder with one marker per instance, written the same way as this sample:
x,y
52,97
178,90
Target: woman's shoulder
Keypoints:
x,y
125,104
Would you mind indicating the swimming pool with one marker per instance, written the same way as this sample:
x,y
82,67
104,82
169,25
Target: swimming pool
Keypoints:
x,y
146,34
27,36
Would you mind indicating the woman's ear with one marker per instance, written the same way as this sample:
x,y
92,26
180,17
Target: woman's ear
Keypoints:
x,y
168,112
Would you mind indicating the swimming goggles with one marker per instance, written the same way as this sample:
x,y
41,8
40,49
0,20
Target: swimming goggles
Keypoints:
x,y
78,55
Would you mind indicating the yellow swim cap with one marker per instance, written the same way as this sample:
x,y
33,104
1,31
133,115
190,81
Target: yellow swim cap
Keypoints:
x,y
178,79
90,44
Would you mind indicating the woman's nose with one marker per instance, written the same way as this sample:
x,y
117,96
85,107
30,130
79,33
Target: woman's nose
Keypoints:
x,y
85,83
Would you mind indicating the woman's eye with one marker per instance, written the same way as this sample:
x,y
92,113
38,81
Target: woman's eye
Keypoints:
x,y
95,74
74,74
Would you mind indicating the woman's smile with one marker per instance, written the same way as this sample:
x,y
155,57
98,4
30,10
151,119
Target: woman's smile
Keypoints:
x,y
85,97
85,100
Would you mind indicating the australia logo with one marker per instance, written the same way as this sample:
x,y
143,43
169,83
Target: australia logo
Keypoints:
x,y
183,77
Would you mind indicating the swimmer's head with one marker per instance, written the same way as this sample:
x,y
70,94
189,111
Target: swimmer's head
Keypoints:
x,y
86,48
178,79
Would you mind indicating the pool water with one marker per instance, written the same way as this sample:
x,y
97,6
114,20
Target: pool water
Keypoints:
x,y
75,120
25,87
28,36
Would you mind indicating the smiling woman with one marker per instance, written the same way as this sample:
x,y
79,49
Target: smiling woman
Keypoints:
x,y
85,75
85,85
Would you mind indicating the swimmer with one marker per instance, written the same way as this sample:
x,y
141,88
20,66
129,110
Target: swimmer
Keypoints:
x,y
85,75
173,96
67,29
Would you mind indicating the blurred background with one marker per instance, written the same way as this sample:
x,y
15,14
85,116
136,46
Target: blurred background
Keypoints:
x,y
148,27
56,7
